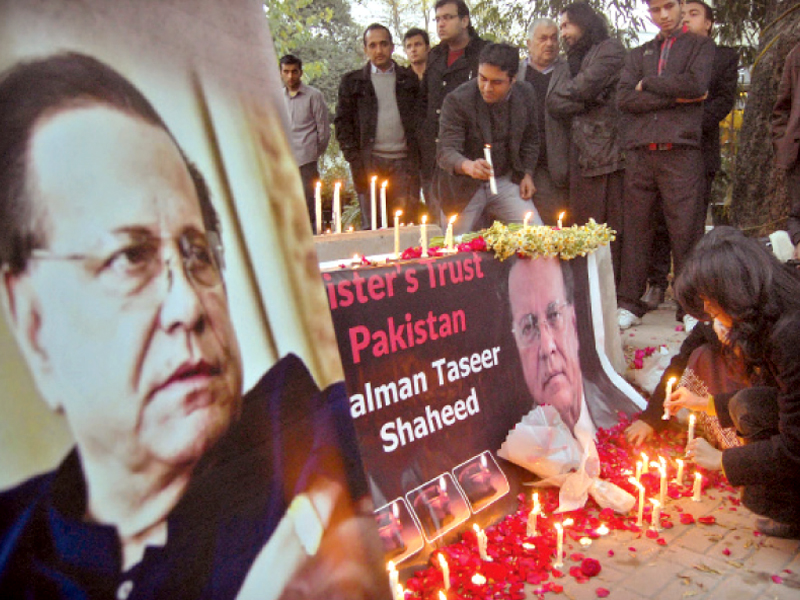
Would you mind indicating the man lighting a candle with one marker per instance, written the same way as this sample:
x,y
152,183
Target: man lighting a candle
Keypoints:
x,y
113,287
499,111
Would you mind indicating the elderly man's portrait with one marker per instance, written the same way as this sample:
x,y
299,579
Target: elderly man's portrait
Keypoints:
x,y
547,331
188,455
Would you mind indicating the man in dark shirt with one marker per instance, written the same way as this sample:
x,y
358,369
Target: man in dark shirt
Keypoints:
x,y
450,63
660,94
376,127
500,112
113,288
550,177
699,18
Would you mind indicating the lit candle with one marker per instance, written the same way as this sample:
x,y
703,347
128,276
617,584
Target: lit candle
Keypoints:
x,y
424,236
384,215
662,493
318,205
397,233
691,429
638,470
399,593
448,236
482,543
351,229
478,579
445,571
373,201
560,542
337,208
561,219
393,575
670,384
696,490
640,516
655,522
487,153
442,595
356,259
585,542
533,516
679,476
527,219
645,463
603,530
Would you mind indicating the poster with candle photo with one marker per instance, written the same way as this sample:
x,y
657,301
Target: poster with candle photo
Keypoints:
x,y
443,357
175,419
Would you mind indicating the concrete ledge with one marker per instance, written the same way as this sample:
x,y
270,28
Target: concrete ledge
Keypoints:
x,y
381,241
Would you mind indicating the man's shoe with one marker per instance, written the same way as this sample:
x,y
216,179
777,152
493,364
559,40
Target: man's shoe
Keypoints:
x,y
774,528
689,322
653,297
626,319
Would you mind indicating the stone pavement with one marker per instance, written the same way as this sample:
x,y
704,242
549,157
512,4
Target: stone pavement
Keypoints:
x,y
726,560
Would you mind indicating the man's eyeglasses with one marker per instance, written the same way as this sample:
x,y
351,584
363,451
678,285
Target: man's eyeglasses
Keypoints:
x,y
528,329
131,269
444,18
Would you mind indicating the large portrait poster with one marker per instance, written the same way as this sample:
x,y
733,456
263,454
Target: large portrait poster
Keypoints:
x,y
443,357
175,424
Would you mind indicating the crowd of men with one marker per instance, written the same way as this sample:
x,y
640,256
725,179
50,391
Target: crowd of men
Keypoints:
x,y
628,138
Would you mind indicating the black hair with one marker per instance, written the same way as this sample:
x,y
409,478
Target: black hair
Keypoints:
x,y
30,91
503,56
592,24
707,9
291,59
463,11
748,283
415,31
375,27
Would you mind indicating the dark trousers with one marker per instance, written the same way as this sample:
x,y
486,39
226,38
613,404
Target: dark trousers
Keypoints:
x,y
549,199
659,267
670,182
793,188
402,193
310,175
754,412
600,198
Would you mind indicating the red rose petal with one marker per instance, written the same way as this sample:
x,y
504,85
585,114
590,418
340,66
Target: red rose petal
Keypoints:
x,y
707,520
661,542
777,579
590,567
726,552
602,592
652,534
631,549
611,553
687,519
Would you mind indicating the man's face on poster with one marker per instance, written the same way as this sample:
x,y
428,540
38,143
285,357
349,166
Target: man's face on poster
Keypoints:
x,y
546,333
124,315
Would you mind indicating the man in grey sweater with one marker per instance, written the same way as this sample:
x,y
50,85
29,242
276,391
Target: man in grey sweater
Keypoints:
x,y
375,126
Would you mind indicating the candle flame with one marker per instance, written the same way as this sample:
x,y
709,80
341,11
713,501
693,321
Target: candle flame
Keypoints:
x,y
476,528
672,380
691,419
398,213
568,522
488,146
453,219
319,184
632,481
395,510
698,476
655,502
443,483
679,461
561,215
558,526
424,219
337,185
478,579
442,560
528,215
374,178
385,183
645,459
442,595
483,460
603,530
390,566
585,542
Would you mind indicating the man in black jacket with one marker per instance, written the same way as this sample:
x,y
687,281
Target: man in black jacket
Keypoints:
x,y
699,18
660,94
375,126
450,63
497,111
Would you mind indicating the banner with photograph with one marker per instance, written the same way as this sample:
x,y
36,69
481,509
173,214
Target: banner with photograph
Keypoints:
x,y
175,419
443,357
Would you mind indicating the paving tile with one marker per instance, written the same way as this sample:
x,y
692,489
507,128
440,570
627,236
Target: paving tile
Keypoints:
x,y
738,588
768,559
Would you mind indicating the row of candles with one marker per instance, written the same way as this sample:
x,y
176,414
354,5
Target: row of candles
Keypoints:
x,y
642,467
337,205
